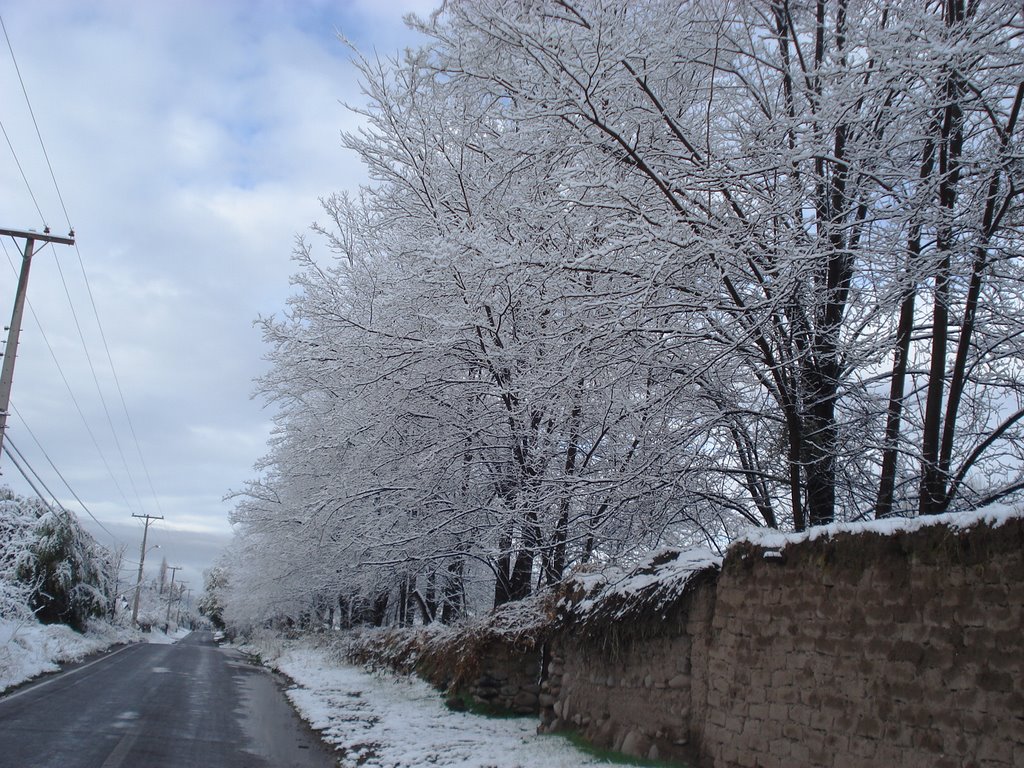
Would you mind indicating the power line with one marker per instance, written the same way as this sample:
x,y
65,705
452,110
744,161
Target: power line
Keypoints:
x,y
61,476
8,446
117,381
99,389
37,476
24,178
31,112
71,393
28,479
92,300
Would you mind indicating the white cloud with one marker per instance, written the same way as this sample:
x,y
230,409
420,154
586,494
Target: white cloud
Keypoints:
x,y
191,142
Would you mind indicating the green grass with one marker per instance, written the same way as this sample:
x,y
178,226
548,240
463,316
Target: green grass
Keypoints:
x,y
464,702
610,755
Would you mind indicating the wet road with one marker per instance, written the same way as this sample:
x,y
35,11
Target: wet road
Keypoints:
x,y
158,706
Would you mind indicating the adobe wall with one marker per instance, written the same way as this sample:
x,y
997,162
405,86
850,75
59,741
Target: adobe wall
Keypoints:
x,y
636,686
870,650
859,650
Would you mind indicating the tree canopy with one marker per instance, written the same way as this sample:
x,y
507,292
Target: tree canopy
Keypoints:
x,y
633,274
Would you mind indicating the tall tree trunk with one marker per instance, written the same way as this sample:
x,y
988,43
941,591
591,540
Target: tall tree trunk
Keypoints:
x,y
555,560
503,569
992,213
933,479
454,589
901,355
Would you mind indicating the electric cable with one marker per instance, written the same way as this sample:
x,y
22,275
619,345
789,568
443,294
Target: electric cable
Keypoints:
x,y
67,385
38,477
92,300
117,382
31,112
60,475
27,478
99,389
24,178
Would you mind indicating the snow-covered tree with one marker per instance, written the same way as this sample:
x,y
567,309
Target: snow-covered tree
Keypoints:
x,y
643,273
51,566
211,603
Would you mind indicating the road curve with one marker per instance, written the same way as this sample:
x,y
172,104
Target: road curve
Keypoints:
x,y
187,705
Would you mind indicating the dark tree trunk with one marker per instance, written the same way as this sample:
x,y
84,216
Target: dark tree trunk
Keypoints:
x,y
452,603
950,145
503,570
379,608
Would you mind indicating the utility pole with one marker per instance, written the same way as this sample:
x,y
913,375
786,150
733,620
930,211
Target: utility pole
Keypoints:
x,y
170,592
14,331
187,599
142,562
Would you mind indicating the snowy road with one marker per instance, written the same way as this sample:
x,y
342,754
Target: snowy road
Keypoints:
x,y
159,706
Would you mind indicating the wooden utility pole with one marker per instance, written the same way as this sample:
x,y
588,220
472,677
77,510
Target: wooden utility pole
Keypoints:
x,y
170,592
11,352
142,562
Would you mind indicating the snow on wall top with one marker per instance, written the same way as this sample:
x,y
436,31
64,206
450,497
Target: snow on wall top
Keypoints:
x,y
614,595
994,515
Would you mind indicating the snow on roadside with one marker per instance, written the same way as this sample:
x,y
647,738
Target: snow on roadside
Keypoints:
x,y
158,637
28,648
386,721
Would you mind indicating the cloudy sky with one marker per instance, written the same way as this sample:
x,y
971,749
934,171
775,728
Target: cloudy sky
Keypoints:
x,y
190,142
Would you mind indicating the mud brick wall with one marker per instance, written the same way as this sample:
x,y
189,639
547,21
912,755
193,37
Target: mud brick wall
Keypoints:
x,y
859,650
635,687
870,650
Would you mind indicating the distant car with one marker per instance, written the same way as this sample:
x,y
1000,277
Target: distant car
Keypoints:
x,y
219,636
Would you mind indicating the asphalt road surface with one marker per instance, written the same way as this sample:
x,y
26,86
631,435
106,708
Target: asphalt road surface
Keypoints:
x,y
186,705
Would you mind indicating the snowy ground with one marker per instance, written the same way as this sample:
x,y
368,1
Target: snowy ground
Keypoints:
x,y
160,638
28,648
386,721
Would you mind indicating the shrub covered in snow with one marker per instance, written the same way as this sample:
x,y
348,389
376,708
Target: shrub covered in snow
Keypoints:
x,y
49,565
211,604
17,522
449,656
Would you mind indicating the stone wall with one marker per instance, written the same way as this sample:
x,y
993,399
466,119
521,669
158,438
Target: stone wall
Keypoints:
x,y
507,680
634,686
903,649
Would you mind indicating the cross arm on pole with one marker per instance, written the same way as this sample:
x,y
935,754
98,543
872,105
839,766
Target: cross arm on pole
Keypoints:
x,y
45,237
14,330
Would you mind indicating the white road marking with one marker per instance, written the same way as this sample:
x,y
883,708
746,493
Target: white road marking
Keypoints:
x,y
116,758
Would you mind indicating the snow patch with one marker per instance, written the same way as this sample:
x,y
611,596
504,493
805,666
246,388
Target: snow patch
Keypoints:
x,y
993,515
386,721
28,648
158,637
